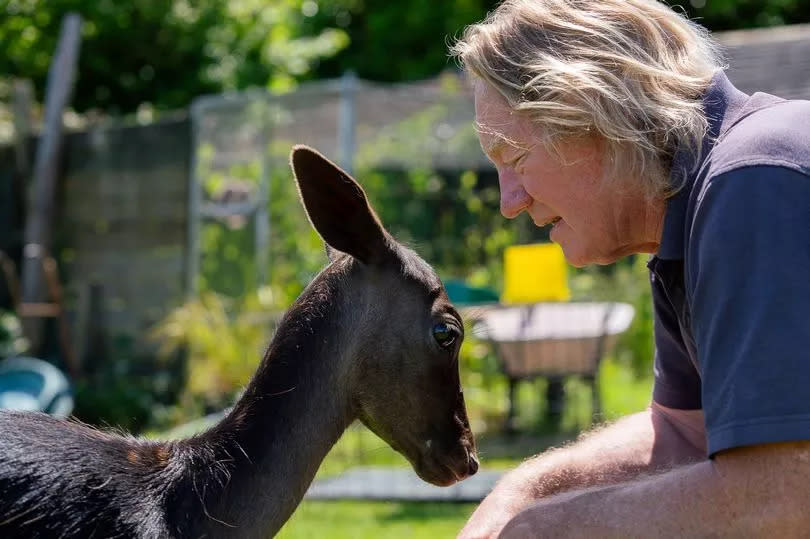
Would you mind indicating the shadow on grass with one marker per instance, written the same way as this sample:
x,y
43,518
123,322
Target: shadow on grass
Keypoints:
x,y
402,511
503,451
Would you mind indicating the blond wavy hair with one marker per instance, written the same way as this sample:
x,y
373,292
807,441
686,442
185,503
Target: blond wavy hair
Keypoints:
x,y
631,71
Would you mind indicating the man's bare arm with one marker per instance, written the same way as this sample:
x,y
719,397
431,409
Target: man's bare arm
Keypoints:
x,y
651,441
757,491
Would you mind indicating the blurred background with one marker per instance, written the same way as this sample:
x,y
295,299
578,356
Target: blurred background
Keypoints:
x,y
144,146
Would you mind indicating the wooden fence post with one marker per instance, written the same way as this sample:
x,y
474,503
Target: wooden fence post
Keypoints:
x,y
37,239
22,99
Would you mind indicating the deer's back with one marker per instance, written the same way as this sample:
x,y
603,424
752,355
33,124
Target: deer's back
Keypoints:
x,y
63,479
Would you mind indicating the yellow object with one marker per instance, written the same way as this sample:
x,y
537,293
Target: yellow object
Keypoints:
x,y
536,272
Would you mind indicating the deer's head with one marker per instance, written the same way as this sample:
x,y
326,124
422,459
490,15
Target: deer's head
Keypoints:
x,y
405,334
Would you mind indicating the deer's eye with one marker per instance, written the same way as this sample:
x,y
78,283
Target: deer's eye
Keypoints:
x,y
444,335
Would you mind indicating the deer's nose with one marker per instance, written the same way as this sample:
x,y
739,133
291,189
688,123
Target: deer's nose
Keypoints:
x,y
472,463
514,198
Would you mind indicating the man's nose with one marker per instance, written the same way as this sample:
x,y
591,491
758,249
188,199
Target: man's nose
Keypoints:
x,y
514,198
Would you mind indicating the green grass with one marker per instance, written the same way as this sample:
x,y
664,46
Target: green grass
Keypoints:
x,y
352,520
622,394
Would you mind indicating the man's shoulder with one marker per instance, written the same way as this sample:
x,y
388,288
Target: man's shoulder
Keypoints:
x,y
774,135
759,167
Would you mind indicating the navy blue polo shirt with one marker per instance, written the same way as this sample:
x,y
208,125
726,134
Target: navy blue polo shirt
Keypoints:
x,y
731,279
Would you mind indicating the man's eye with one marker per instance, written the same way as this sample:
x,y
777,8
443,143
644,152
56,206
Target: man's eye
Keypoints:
x,y
444,335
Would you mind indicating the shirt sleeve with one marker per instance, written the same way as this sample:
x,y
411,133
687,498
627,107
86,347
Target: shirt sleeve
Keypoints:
x,y
677,381
748,276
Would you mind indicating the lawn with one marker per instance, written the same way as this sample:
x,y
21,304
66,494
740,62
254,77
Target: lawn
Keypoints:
x,y
352,520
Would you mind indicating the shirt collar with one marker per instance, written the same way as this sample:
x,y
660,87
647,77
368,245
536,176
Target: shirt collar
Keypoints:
x,y
721,102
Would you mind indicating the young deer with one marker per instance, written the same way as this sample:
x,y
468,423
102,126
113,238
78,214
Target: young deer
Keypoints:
x,y
373,337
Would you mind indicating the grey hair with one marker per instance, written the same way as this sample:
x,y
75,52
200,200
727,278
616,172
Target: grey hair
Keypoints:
x,y
631,71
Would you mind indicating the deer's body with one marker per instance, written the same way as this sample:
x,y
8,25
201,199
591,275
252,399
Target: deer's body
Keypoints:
x,y
246,475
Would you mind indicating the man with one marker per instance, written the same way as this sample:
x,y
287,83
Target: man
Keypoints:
x,y
612,121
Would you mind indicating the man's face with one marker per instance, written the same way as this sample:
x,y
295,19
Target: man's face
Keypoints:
x,y
593,220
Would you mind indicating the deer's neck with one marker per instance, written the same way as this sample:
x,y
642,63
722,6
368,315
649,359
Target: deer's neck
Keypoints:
x,y
292,413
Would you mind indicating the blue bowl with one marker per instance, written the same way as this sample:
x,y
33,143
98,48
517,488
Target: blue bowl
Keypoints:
x,y
30,384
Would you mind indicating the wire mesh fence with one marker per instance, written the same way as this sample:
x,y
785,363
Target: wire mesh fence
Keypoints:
x,y
412,146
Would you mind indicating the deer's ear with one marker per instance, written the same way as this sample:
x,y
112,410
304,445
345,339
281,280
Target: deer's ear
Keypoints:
x,y
331,253
337,207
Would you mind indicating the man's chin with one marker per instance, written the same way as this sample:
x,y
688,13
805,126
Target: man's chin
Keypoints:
x,y
575,257
580,259
579,256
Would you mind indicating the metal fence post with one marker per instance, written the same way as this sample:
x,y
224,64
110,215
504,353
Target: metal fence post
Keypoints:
x,y
346,121
39,218
194,202
262,215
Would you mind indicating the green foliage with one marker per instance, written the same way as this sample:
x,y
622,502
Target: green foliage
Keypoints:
x,y
121,401
718,15
12,341
388,40
295,252
450,217
224,340
395,41
447,218
165,52
626,281
127,390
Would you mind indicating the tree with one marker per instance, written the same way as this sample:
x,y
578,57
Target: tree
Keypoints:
x,y
165,52
397,40
719,15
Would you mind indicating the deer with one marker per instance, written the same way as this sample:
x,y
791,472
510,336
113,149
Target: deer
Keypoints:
x,y
373,337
